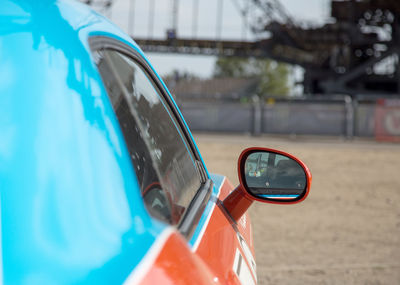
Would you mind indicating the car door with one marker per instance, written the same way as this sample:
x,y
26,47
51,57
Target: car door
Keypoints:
x,y
174,182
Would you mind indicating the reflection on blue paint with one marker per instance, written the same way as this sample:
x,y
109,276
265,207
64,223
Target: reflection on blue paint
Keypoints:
x,y
71,210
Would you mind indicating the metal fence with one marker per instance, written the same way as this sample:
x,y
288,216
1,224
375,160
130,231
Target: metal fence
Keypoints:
x,y
344,117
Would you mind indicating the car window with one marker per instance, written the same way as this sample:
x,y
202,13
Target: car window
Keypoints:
x,y
165,167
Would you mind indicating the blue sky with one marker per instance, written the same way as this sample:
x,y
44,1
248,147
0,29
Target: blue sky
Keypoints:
x,y
315,11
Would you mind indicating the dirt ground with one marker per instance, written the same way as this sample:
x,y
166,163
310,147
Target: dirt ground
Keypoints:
x,y
346,232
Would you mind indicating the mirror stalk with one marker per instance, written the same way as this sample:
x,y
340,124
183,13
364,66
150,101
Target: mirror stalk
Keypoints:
x,y
237,203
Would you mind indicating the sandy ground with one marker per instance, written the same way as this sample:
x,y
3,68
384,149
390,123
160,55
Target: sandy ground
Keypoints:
x,y
346,232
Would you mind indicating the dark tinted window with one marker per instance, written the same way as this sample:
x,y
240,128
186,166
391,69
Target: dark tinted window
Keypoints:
x,y
164,165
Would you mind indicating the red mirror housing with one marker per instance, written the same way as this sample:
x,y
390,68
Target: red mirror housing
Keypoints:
x,y
269,176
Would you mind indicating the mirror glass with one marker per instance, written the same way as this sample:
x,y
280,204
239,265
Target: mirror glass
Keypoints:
x,y
274,176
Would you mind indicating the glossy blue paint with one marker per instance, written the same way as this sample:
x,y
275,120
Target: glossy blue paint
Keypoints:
x,y
71,210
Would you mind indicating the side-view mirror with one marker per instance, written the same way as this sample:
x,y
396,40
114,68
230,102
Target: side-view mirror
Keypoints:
x,y
270,176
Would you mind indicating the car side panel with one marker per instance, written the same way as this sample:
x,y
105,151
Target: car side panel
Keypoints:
x,y
175,264
227,246
244,223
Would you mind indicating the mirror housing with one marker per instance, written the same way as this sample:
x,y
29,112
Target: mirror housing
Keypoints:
x,y
269,176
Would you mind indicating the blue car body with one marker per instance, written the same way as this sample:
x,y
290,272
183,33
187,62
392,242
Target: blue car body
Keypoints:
x,y
66,216
73,209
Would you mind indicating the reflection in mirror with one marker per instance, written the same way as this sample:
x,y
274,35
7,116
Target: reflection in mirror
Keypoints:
x,y
274,176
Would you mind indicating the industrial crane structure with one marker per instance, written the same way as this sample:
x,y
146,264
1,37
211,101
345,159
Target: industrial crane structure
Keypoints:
x,y
355,52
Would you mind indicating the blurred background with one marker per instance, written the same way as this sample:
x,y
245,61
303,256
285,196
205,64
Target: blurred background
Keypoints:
x,y
319,67
316,78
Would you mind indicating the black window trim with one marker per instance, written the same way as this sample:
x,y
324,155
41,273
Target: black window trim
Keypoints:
x,y
196,208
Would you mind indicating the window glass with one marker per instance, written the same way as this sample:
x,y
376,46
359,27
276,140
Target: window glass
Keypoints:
x,y
164,166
